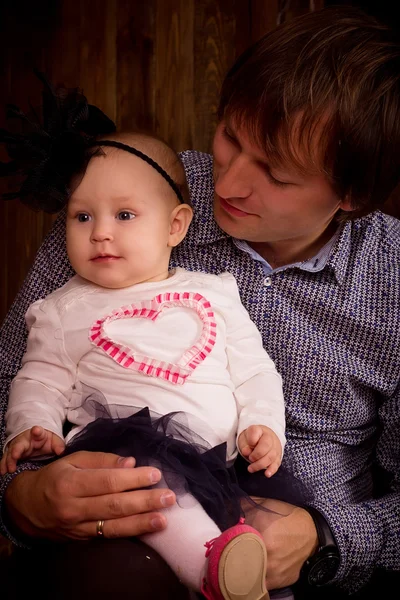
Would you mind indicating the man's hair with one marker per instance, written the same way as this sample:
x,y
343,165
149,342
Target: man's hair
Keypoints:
x,y
323,92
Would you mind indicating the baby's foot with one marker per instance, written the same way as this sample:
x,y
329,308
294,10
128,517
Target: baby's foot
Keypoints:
x,y
237,564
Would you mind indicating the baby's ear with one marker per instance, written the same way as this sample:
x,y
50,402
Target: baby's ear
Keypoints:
x,y
180,220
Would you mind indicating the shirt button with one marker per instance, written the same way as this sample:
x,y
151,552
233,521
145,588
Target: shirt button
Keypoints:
x,y
267,282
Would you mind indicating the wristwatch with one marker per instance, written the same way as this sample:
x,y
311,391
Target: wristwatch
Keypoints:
x,y
322,566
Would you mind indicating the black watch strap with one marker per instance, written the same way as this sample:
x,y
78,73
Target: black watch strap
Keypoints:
x,y
322,566
324,532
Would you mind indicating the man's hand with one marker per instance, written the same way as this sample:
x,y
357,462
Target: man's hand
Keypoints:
x,y
290,538
33,442
261,446
65,499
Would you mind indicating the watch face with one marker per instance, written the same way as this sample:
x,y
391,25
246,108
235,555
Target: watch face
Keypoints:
x,y
323,569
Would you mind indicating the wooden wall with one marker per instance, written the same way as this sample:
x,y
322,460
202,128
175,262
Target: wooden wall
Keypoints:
x,y
155,64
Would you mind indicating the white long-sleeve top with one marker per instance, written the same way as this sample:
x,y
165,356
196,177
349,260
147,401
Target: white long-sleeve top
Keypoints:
x,y
182,344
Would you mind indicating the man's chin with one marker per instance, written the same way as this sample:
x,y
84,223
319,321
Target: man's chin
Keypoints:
x,y
228,223
225,221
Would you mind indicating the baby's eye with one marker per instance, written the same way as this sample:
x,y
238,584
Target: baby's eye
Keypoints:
x,y
125,215
83,217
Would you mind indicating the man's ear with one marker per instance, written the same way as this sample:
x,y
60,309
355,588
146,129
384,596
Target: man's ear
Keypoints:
x,y
346,204
180,220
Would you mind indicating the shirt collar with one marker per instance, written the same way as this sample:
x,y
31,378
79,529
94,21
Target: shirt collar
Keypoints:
x,y
334,254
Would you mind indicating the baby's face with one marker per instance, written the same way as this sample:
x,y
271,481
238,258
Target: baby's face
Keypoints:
x,y
119,222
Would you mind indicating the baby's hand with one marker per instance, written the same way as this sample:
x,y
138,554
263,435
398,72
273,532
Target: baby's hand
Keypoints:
x,y
261,446
33,442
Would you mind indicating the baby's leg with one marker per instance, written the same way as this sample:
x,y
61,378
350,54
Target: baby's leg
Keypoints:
x,y
181,543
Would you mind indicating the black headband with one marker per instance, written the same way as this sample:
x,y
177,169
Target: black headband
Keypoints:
x,y
144,157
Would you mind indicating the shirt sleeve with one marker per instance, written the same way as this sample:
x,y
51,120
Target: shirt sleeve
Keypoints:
x,y
368,533
42,279
258,385
40,392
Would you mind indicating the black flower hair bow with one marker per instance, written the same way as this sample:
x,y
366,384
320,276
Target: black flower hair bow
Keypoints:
x,y
45,155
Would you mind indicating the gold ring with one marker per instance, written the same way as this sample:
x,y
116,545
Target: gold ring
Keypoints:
x,y
99,528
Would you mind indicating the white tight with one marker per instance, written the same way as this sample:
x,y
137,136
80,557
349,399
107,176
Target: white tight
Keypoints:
x,y
181,543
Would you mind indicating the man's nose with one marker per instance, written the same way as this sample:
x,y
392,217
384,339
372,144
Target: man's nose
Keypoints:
x,y
234,179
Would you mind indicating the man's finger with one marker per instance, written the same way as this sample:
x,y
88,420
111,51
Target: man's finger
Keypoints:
x,y
126,462
126,527
133,526
93,460
126,504
99,482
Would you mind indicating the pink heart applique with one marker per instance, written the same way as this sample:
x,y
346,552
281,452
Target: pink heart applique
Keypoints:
x,y
174,372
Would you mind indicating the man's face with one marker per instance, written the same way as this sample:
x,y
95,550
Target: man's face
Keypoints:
x,y
263,204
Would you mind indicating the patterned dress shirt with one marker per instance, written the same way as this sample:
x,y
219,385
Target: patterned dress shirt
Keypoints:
x,y
332,326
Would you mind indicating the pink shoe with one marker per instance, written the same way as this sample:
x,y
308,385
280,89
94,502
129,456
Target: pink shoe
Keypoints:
x,y
237,564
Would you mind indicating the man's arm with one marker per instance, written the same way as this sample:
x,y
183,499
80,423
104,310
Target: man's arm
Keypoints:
x,y
65,499
367,533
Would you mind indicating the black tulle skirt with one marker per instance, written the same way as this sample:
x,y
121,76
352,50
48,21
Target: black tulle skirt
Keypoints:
x,y
188,463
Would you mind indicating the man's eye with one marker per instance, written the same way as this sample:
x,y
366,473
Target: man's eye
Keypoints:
x,y
125,215
275,181
83,217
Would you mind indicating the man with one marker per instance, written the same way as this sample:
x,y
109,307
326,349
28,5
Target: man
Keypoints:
x,y
306,150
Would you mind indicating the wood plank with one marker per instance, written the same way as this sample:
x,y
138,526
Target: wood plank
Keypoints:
x,y
98,72
174,111
62,60
214,52
295,8
24,39
264,17
135,66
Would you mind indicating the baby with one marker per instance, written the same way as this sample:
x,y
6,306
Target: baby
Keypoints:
x,y
162,365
